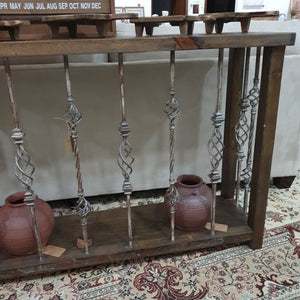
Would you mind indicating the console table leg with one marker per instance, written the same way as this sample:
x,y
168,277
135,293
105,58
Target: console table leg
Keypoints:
x,y
233,97
265,133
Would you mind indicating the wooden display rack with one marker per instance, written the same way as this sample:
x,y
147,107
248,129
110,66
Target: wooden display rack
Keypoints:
x,y
150,226
75,16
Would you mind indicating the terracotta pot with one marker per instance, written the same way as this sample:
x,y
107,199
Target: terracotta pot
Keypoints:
x,y
193,208
16,231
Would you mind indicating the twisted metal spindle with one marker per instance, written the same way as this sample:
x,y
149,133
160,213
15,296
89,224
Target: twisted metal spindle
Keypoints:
x,y
215,144
172,110
242,128
72,118
125,158
24,167
253,98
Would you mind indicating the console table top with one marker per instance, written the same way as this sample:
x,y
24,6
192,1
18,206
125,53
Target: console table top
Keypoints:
x,y
145,44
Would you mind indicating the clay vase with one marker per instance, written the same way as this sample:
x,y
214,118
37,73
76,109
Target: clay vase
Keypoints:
x,y
16,231
193,208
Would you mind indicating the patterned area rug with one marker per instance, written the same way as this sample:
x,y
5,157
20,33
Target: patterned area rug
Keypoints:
x,y
272,272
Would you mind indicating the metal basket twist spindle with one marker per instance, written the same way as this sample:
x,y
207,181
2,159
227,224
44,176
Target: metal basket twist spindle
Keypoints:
x,y
215,144
253,98
242,127
24,168
73,117
172,110
125,158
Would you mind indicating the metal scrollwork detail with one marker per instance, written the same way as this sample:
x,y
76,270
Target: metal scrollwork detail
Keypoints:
x,y
242,129
215,147
24,167
72,115
173,197
83,206
253,98
125,158
172,109
241,135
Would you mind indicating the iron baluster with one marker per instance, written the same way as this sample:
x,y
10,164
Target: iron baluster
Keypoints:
x,y
172,110
72,117
253,98
242,127
215,144
125,158
24,168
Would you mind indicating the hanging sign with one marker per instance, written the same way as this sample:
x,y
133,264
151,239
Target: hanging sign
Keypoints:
x,y
54,6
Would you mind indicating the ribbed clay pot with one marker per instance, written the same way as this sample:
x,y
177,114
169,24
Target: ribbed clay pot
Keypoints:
x,y
16,231
193,208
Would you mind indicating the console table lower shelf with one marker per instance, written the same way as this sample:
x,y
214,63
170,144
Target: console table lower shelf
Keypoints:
x,y
108,230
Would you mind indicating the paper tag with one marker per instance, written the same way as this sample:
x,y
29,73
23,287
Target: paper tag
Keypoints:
x,y
80,243
218,227
69,146
53,251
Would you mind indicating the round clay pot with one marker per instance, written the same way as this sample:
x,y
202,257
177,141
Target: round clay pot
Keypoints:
x,y
193,208
16,231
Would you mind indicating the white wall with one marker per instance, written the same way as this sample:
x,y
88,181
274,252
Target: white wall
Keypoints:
x,y
281,5
145,3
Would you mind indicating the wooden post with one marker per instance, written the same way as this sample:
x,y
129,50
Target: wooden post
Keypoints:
x,y
179,7
113,26
264,142
233,97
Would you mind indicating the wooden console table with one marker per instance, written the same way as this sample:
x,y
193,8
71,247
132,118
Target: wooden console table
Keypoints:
x,y
150,226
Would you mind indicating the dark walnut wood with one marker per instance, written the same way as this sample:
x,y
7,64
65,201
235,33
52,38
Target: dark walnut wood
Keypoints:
x,y
144,44
217,20
108,230
233,98
101,21
179,7
150,22
264,141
